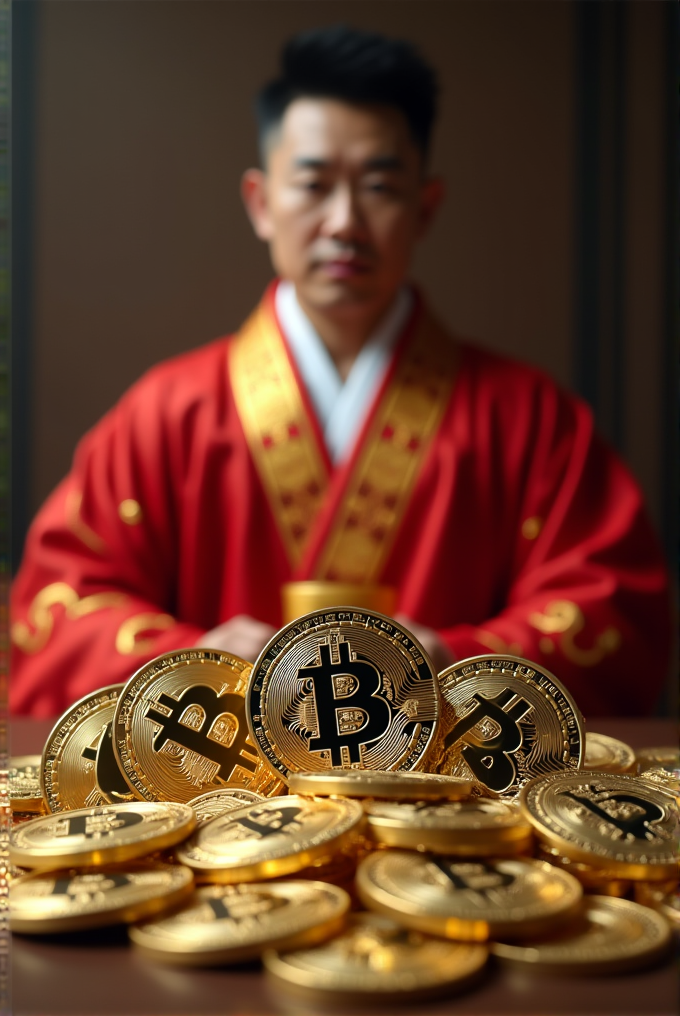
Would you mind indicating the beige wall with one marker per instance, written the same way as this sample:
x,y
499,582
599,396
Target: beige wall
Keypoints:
x,y
144,126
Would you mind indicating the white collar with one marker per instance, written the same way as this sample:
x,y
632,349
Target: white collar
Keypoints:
x,y
340,408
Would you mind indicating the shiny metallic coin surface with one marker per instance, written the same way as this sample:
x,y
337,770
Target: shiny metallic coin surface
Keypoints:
x,y
344,688
374,783
482,827
377,958
69,766
23,777
467,900
111,833
276,837
72,899
614,821
662,897
594,879
667,756
218,802
179,728
229,924
607,754
512,721
613,935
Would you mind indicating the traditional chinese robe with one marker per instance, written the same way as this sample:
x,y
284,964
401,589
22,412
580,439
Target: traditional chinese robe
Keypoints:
x,y
477,487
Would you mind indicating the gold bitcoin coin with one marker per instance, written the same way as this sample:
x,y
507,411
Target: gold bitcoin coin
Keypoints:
x,y
606,754
372,783
664,897
72,899
664,757
512,721
376,958
468,900
23,777
612,935
614,821
344,688
217,802
108,834
663,779
71,763
482,827
275,837
594,880
179,728
232,923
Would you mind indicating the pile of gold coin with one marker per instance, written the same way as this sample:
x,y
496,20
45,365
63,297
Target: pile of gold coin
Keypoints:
x,y
367,827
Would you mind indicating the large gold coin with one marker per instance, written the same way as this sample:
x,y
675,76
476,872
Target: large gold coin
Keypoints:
x,y
72,761
614,821
179,728
23,777
372,783
217,802
606,754
344,688
482,827
376,958
275,837
109,834
229,924
72,899
467,900
511,721
613,935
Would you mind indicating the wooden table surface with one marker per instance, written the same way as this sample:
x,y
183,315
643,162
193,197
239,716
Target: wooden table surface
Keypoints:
x,y
98,974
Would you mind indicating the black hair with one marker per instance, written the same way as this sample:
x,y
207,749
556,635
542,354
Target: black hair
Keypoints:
x,y
356,67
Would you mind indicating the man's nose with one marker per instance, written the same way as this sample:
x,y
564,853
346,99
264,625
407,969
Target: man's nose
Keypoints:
x,y
343,218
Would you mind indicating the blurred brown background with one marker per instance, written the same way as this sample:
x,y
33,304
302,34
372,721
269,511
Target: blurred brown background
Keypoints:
x,y
132,125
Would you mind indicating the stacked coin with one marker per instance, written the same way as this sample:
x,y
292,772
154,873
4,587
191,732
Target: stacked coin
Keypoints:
x,y
458,814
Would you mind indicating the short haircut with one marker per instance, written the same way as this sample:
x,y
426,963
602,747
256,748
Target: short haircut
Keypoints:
x,y
355,67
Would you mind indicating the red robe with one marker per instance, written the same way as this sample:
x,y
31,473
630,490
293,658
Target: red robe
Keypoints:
x,y
523,534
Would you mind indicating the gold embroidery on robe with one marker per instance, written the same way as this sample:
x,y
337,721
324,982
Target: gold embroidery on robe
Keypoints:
x,y
130,511
277,429
566,618
41,618
78,527
531,527
128,638
496,644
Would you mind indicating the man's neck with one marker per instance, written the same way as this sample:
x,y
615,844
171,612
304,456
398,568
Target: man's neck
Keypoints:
x,y
344,336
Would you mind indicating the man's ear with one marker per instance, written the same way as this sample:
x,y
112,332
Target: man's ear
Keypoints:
x,y
433,192
254,195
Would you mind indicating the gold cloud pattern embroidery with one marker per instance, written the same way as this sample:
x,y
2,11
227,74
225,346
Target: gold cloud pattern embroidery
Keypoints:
x,y
565,618
35,635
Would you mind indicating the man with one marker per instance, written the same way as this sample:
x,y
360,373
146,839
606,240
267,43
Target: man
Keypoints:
x,y
343,435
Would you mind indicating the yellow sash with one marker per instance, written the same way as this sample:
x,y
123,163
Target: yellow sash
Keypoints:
x,y
365,503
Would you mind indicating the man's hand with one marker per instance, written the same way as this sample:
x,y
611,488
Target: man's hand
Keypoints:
x,y
434,646
241,636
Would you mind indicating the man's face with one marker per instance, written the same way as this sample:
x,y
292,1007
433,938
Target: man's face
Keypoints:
x,y
342,204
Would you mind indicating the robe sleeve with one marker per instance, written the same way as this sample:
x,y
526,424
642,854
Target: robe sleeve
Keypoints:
x,y
587,589
94,598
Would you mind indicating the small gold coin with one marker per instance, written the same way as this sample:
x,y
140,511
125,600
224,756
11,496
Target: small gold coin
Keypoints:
x,y
606,754
593,879
232,923
25,793
478,828
179,728
613,935
374,783
652,758
344,688
217,802
71,760
71,899
512,721
468,900
275,837
662,897
111,833
614,821
376,958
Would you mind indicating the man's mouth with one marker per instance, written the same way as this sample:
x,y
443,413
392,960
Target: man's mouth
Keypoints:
x,y
344,267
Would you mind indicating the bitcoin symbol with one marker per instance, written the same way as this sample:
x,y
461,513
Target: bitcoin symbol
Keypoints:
x,y
210,711
478,878
94,826
241,908
277,821
89,752
490,761
636,825
363,716
89,885
109,777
